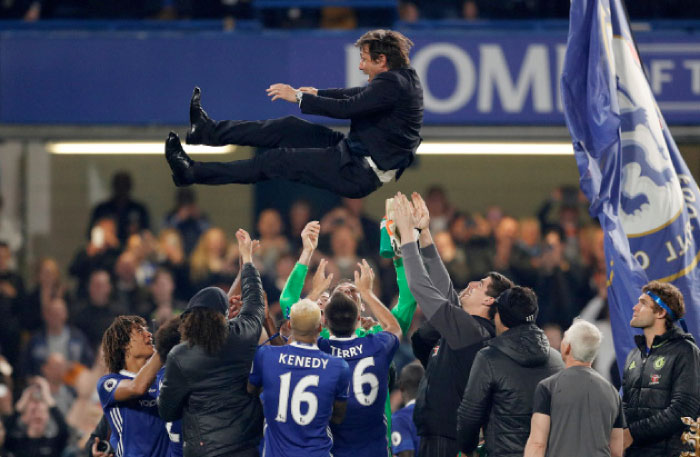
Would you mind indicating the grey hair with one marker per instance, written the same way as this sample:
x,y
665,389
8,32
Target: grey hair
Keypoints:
x,y
584,339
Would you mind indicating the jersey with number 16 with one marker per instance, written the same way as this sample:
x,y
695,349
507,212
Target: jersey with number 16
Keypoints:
x,y
300,385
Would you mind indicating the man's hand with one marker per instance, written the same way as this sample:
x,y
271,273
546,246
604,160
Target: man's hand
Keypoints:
x,y
627,439
309,241
364,278
246,246
309,90
235,304
320,281
403,216
45,390
96,453
368,323
421,215
283,92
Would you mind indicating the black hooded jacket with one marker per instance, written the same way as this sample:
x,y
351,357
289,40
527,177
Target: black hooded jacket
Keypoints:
x,y
209,393
659,388
500,390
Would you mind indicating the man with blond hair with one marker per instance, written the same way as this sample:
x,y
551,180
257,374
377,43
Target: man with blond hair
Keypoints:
x,y
577,412
303,389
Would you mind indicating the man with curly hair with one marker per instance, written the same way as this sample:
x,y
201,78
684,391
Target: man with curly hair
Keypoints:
x,y
128,393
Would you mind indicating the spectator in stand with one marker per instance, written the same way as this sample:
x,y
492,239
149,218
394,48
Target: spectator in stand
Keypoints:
x,y
370,234
94,314
576,411
100,253
131,216
56,337
509,257
54,371
6,404
208,262
344,250
300,214
48,287
163,302
128,293
554,335
37,427
11,299
143,246
10,231
273,243
187,218
440,209
562,287
86,412
504,376
171,256
453,257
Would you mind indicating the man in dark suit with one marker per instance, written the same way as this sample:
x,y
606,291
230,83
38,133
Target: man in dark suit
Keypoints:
x,y
385,121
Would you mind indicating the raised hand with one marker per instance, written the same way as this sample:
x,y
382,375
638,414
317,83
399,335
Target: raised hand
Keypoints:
x,y
309,236
364,278
403,217
421,215
246,246
320,282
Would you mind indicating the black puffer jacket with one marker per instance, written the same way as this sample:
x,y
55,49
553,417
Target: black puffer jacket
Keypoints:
x,y
209,392
658,389
500,390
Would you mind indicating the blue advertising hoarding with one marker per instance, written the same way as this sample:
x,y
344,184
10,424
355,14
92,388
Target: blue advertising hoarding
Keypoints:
x,y
142,78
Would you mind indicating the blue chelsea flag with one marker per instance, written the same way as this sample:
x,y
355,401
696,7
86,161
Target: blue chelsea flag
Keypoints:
x,y
631,171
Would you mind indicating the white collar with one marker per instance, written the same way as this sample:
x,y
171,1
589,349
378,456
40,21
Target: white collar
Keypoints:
x,y
347,338
303,345
127,373
410,403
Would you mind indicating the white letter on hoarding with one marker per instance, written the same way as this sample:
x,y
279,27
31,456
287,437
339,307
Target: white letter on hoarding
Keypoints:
x,y
534,73
466,76
659,76
353,76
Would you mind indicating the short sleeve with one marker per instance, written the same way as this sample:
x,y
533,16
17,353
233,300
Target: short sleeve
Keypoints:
x,y
389,341
342,390
401,437
542,401
255,377
620,421
106,387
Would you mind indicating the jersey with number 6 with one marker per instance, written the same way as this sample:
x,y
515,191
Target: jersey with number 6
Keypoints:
x,y
300,385
363,433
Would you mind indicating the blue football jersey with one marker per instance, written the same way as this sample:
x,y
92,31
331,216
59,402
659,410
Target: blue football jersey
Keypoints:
x,y
300,385
404,436
137,429
363,433
174,429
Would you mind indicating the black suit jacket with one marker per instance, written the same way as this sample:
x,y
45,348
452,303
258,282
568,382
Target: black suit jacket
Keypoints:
x,y
385,116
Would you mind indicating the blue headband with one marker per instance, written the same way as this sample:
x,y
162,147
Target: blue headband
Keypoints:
x,y
666,308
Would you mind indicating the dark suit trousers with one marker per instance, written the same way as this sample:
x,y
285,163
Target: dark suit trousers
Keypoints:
x,y
299,151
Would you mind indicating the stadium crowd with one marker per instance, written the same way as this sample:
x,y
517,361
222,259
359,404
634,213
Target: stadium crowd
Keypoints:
x,y
334,16
60,344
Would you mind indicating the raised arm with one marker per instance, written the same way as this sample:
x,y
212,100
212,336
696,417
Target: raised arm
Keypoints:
x,y
363,280
130,388
381,94
406,306
291,293
253,310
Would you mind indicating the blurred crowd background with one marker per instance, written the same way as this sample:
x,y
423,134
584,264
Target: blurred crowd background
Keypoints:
x,y
136,262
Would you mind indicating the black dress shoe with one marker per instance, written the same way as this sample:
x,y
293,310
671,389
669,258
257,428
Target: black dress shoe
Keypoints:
x,y
199,120
180,163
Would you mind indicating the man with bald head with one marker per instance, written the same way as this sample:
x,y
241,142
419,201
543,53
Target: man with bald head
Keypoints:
x,y
303,389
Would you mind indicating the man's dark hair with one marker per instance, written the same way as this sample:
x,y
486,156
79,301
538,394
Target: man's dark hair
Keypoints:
x,y
671,296
116,340
411,375
167,336
341,314
206,328
392,44
499,283
121,182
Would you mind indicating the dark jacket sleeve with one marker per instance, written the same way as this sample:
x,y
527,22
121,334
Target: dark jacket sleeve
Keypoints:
x,y
381,94
340,93
248,324
101,431
473,410
456,325
423,341
61,439
685,401
173,391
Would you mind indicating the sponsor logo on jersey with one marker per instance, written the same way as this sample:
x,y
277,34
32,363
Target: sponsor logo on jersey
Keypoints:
x,y
655,378
110,384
